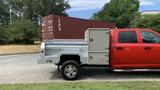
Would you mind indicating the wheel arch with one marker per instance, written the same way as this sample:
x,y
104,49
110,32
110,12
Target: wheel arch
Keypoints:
x,y
66,57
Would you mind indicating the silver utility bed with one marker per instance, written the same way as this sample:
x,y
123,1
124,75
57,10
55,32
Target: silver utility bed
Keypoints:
x,y
93,50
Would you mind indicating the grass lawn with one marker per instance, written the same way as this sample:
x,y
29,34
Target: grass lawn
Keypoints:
x,y
139,85
16,49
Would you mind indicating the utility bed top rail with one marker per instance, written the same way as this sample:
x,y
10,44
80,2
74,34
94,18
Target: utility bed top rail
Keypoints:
x,y
66,41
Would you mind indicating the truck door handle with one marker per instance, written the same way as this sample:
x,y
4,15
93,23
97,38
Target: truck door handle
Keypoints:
x,y
147,48
119,48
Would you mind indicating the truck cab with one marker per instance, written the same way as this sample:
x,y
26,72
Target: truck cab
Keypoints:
x,y
118,49
135,49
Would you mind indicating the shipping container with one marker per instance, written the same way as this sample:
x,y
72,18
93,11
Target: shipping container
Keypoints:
x,y
64,27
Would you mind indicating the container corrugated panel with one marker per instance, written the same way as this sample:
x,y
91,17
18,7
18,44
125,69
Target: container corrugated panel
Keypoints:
x,y
63,27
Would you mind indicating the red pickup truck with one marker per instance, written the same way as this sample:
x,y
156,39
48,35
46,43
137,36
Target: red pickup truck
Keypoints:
x,y
135,49
118,49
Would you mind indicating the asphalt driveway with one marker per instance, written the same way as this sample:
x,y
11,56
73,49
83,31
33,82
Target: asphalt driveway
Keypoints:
x,y
24,69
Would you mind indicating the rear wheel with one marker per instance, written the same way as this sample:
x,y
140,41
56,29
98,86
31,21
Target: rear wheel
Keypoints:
x,y
70,70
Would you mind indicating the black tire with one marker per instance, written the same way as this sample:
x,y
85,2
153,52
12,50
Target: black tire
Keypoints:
x,y
70,70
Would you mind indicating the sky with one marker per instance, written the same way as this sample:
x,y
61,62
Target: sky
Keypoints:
x,y
86,8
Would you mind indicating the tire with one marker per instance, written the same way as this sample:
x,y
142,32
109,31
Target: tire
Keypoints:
x,y
70,70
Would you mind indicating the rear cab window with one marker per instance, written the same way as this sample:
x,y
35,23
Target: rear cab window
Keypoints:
x,y
127,37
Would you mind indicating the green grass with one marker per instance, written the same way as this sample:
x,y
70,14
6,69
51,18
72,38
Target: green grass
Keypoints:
x,y
86,86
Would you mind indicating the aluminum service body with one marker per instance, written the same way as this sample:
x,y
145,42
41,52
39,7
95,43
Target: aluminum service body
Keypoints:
x,y
94,50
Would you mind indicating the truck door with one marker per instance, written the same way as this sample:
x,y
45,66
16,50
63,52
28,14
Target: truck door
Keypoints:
x,y
151,49
125,50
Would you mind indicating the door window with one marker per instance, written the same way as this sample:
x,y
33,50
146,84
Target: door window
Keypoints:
x,y
149,37
127,37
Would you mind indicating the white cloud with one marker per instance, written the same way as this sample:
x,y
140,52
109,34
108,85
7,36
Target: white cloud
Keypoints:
x,y
81,5
147,2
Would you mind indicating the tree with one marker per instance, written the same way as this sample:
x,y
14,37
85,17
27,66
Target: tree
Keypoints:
x,y
147,21
23,31
120,11
25,17
33,9
17,7
4,36
4,13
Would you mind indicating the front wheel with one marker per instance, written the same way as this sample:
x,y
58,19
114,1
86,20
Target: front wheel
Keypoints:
x,y
70,70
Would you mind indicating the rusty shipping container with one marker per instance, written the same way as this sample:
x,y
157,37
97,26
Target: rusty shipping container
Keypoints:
x,y
63,27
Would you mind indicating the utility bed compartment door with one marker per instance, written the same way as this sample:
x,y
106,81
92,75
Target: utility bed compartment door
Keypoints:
x,y
98,43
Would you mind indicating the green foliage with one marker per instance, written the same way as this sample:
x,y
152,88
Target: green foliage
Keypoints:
x,y
26,15
120,11
31,9
45,7
4,14
147,21
23,31
4,36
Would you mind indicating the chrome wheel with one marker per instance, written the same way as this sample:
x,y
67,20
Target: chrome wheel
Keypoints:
x,y
70,71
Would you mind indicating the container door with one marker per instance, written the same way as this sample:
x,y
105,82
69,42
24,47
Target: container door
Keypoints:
x,y
99,46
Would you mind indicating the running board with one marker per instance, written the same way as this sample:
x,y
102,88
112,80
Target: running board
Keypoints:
x,y
136,70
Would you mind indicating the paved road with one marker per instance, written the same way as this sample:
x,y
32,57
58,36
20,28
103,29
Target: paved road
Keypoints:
x,y
24,69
